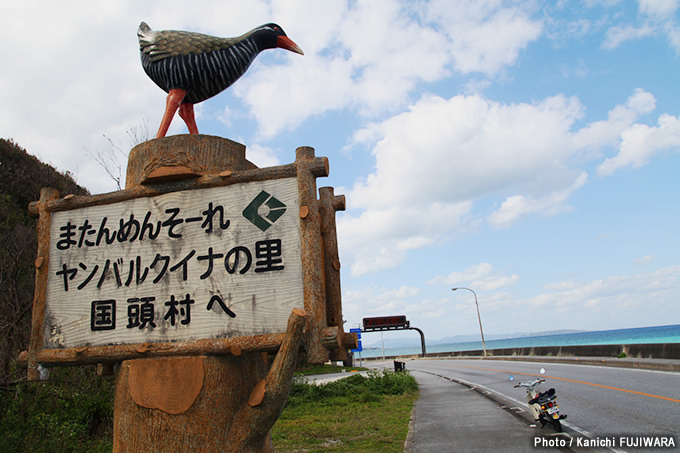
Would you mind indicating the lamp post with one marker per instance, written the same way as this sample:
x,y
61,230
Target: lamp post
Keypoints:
x,y
478,317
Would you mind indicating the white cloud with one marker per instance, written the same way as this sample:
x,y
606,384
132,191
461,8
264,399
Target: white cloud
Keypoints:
x,y
616,294
645,259
615,36
379,239
262,156
673,33
375,301
560,286
469,146
436,160
483,36
639,143
613,302
463,277
656,17
607,133
517,206
440,155
371,55
481,276
659,9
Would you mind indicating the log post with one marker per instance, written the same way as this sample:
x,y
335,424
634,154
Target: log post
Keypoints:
x,y
309,168
39,295
200,403
329,203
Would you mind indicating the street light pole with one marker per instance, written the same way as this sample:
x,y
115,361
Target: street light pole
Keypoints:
x,y
478,317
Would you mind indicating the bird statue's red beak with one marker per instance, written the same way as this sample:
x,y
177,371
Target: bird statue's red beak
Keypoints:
x,y
285,42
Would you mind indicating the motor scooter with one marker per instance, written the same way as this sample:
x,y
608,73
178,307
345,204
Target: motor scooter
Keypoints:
x,y
543,406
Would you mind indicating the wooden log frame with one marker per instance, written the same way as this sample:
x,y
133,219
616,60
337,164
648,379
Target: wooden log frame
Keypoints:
x,y
319,336
313,274
253,422
47,195
329,203
331,338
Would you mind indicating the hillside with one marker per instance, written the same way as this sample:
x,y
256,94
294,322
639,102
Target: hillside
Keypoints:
x,y
21,178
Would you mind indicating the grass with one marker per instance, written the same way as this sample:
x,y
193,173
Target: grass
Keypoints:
x,y
355,414
307,370
73,412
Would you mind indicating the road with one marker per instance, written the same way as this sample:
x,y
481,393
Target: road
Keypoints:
x,y
600,401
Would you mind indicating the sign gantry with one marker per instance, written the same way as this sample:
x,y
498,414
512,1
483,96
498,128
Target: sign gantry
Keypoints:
x,y
398,322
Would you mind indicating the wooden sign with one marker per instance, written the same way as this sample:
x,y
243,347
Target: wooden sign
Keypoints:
x,y
210,263
195,264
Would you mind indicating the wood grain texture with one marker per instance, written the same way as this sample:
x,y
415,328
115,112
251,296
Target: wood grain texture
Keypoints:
x,y
204,154
172,387
204,426
41,280
312,254
91,355
253,421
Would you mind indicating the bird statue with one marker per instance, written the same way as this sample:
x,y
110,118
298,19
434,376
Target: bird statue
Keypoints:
x,y
193,67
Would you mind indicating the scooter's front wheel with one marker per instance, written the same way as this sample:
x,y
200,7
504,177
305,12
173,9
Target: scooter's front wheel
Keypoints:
x,y
557,425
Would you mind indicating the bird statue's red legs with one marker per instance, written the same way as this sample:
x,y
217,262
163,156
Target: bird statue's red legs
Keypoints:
x,y
186,112
173,102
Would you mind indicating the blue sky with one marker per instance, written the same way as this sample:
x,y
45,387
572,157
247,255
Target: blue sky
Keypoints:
x,y
527,150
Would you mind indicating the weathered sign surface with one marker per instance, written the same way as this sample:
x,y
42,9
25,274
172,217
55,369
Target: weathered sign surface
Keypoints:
x,y
195,264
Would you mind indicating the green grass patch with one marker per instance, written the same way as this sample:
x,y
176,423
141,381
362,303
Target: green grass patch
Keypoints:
x,y
307,370
358,413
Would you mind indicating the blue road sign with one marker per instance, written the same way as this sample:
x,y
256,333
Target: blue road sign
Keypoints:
x,y
358,332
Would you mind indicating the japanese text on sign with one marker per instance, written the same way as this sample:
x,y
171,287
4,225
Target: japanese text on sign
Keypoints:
x,y
195,264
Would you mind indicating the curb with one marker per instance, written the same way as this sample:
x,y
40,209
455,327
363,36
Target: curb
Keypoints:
x,y
408,443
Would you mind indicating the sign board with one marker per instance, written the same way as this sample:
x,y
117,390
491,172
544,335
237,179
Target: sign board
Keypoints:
x,y
358,332
385,322
194,264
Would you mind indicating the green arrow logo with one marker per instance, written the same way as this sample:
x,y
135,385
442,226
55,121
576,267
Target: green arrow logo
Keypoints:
x,y
264,210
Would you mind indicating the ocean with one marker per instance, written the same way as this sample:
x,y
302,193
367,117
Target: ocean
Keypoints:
x,y
640,335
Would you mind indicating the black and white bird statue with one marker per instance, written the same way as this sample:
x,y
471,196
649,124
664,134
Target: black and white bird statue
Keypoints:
x,y
192,67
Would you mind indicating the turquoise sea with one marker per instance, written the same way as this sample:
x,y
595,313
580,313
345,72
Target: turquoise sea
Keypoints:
x,y
640,335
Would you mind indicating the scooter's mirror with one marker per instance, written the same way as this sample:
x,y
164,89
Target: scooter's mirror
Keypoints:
x,y
542,371
511,378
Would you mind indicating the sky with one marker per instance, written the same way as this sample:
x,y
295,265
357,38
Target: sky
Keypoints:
x,y
527,150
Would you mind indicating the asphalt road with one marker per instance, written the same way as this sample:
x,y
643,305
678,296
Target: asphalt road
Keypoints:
x,y
600,401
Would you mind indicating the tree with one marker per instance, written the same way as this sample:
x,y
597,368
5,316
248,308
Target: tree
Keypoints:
x,y
21,178
114,158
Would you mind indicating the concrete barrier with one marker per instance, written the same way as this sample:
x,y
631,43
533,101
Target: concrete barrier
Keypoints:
x,y
662,356
634,351
666,351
